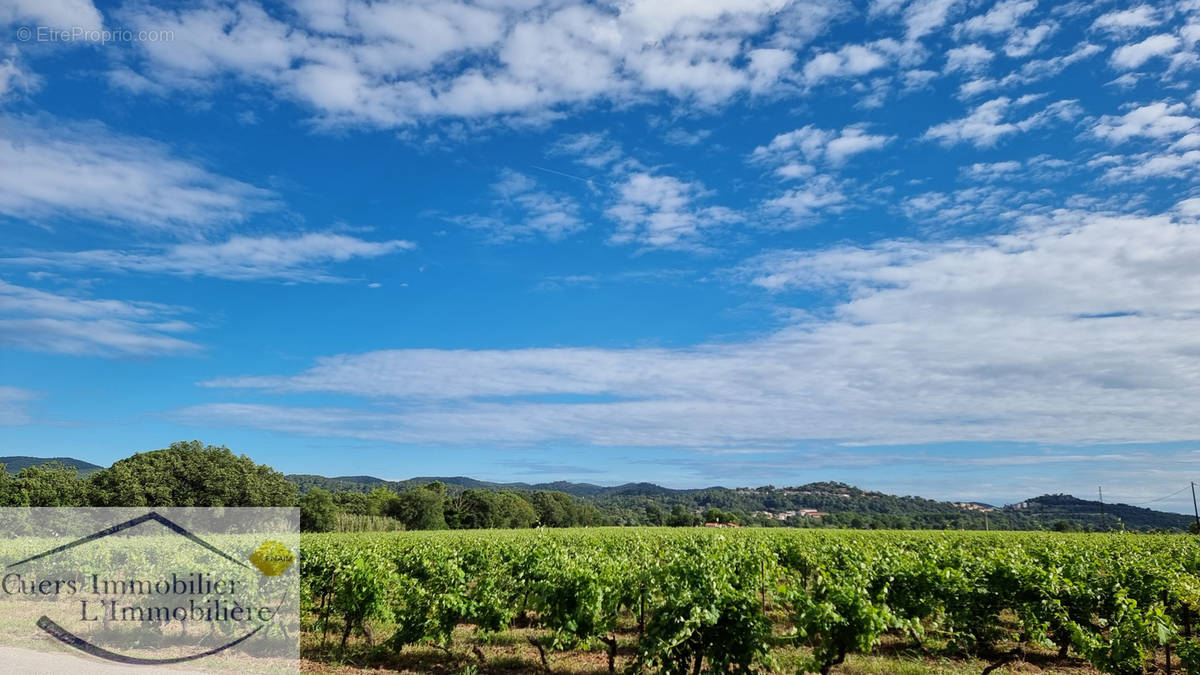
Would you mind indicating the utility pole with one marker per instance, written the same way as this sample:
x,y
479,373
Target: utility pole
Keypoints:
x,y
1101,491
1194,509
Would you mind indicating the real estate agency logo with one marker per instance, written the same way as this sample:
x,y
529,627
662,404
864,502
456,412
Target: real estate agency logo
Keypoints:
x,y
136,585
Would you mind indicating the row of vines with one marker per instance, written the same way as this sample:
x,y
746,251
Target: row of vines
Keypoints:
x,y
723,601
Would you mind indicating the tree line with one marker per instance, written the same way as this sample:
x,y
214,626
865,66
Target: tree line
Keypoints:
x,y
432,507
190,473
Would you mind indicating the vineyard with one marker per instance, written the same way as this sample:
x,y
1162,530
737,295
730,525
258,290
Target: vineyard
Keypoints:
x,y
692,601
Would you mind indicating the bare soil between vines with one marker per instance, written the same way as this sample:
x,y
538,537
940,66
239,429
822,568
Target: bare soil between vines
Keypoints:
x,y
511,652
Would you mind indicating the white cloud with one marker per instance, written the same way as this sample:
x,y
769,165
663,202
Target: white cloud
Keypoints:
x,y
1073,329
767,66
523,209
879,8
52,13
802,205
917,79
1155,120
650,208
814,144
13,406
968,58
51,169
659,211
982,128
980,206
396,63
1190,34
992,170
13,77
37,320
1001,19
792,154
922,17
1034,70
1024,42
853,141
987,123
1127,20
1175,165
1129,57
297,258
1040,168
594,150
848,61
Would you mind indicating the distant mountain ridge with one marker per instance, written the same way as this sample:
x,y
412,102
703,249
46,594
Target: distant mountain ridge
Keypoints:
x,y
844,505
15,463
458,483
844,501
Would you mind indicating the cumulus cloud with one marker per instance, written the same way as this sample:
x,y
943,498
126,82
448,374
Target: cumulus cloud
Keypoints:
x,y
53,13
794,156
814,144
1041,168
988,122
1001,19
1155,120
660,211
37,320
969,58
1131,56
922,17
1024,42
804,203
1033,70
391,63
1075,328
1127,20
298,258
651,208
51,169
848,61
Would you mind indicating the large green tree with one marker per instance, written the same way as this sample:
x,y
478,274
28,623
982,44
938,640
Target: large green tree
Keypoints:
x,y
420,509
480,509
190,473
49,484
318,513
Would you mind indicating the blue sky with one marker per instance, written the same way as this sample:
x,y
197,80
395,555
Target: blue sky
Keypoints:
x,y
932,247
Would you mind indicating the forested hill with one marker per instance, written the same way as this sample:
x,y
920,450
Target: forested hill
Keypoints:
x,y
1055,507
15,463
835,504
456,484
169,477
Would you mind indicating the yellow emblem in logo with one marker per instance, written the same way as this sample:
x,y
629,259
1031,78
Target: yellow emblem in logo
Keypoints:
x,y
272,558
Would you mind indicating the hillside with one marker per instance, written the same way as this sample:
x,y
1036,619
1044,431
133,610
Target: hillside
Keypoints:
x,y
454,484
1065,507
15,463
840,505
821,504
